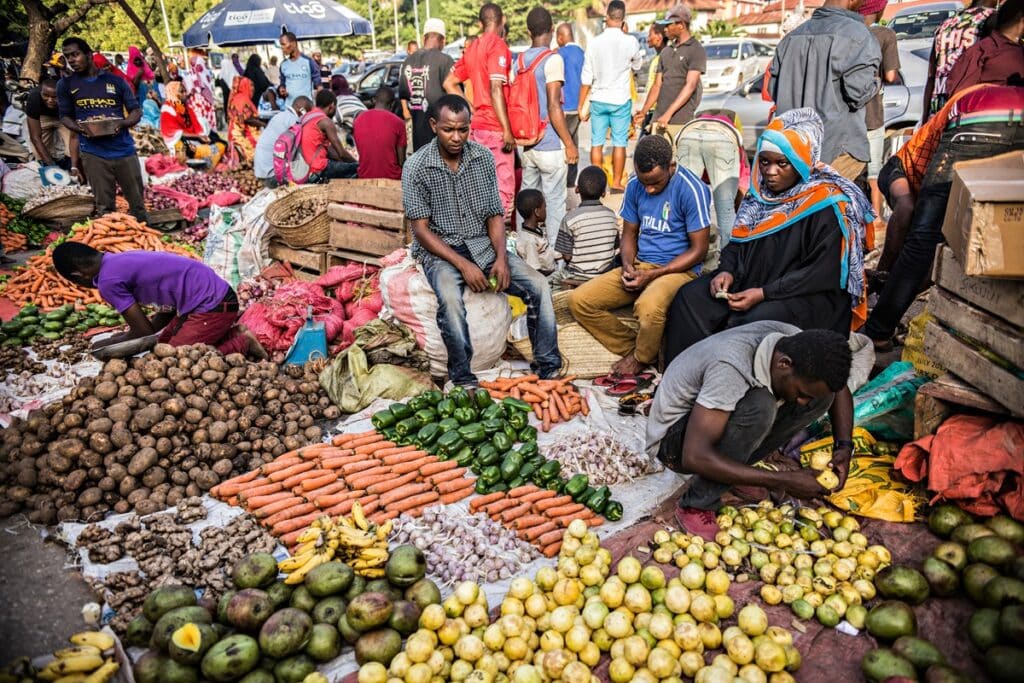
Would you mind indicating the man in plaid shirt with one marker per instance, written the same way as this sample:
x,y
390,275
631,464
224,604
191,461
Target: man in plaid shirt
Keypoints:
x,y
450,196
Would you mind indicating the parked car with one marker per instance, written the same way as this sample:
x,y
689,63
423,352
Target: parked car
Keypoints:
x,y
902,101
350,70
377,75
765,52
731,61
916,26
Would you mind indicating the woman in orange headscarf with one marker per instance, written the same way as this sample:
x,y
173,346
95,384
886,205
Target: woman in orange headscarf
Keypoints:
x,y
796,254
244,122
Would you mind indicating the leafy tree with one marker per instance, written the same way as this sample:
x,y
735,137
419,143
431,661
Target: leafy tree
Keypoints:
x,y
720,28
47,23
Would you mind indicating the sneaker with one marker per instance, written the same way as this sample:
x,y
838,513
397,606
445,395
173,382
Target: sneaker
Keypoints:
x,y
697,521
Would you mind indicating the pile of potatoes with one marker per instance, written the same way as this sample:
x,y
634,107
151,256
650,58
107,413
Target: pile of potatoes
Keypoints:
x,y
148,432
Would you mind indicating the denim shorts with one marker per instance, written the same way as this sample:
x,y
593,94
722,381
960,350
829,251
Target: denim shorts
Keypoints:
x,y
615,116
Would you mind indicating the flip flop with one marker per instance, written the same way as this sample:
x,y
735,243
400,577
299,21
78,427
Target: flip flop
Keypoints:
x,y
609,380
629,384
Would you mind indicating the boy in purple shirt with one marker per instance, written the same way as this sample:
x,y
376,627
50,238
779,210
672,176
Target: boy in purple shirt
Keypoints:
x,y
204,307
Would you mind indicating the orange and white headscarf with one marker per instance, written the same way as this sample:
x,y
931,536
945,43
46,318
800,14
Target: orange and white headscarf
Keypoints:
x,y
797,134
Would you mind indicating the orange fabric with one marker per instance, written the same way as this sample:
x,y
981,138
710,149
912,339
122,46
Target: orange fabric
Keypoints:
x,y
917,152
973,461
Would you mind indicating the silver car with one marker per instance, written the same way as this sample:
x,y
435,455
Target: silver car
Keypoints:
x,y
902,100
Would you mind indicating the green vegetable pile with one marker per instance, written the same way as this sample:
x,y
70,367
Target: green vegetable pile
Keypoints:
x,y
35,232
30,323
480,433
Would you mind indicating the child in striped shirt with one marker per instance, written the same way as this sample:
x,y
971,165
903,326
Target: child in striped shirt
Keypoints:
x,y
588,239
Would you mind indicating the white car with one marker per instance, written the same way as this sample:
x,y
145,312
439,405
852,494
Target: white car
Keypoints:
x,y
731,61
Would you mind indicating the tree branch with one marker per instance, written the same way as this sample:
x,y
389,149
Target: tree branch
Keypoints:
x,y
74,16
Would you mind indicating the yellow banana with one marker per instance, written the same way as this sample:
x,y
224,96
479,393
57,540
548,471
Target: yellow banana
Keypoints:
x,y
358,517
98,639
72,678
76,650
69,665
104,673
384,530
346,523
305,547
297,576
310,534
295,561
356,538
371,572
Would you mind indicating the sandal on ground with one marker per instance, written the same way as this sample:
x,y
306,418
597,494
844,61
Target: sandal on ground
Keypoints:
x,y
609,380
629,384
634,403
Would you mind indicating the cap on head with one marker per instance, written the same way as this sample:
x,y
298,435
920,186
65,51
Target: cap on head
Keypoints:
x,y
678,14
434,25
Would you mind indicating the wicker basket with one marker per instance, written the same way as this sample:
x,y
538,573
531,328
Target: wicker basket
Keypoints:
x,y
582,354
69,207
316,230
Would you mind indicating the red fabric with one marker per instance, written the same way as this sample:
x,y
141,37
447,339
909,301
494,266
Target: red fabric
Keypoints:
x,y
993,59
378,134
314,144
337,275
276,321
222,198
162,164
187,204
215,329
487,59
972,460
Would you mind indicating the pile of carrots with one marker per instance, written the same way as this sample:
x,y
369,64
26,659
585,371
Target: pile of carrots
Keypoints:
x,y
291,492
553,400
38,283
536,515
12,241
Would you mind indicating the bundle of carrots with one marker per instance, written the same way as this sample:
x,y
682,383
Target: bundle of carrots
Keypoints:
x,y
538,516
12,241
38,283
298,487
553,400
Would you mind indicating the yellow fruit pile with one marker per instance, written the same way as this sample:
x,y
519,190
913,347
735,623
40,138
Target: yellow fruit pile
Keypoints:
x,y
89,660
355,540
816,561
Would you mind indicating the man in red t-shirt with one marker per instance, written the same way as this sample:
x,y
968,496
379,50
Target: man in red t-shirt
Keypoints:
x,y
380,138
485,65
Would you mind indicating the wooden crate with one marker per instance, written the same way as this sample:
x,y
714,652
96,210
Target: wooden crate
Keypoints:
x,y
945,396
377,218
339,257
993,333
1000,297
364,239
382,194
312,262
966,362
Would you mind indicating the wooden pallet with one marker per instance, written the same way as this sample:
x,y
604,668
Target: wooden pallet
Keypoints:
x,y
382,194
966,362
945,396
1000,297
995,334
307,264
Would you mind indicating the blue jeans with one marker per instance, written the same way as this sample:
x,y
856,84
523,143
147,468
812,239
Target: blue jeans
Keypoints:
x,y
526,283
335,169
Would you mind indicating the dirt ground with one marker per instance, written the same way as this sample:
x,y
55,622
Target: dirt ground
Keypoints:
x,y
42,597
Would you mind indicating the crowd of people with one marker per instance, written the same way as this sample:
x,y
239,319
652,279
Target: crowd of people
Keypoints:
x,y
721,262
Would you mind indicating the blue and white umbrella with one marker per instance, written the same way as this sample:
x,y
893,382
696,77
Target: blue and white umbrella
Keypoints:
x,y
250,22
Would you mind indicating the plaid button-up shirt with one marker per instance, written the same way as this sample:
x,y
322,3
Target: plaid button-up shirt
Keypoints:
x,y
457,204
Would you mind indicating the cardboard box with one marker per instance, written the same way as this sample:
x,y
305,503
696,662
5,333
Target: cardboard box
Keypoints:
x,y
984,223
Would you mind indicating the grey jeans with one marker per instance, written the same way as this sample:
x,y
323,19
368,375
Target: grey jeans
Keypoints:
x,y
756,427
104,175
709,146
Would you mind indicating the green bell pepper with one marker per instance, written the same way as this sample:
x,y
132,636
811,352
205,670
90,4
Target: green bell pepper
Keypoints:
x,y
516,483
464,415
433,397
461,397
486,456
481,487
528,468
445,407
400,411
508,431
518,420
577,485
584,495
464,457
482,399
449,424
491,475
419,402
516,404
529,449
612,511
473,433
493,426
390,434
511,465
449,441
426,416
502,442
528,434
428,434
383,419
408,426
549,470
596,501
492,412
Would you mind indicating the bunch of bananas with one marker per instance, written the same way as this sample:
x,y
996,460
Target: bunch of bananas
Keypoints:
x,y
355,540
84,661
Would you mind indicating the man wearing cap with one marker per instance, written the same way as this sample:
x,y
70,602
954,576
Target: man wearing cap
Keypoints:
x,y
676,89
421,81
830,64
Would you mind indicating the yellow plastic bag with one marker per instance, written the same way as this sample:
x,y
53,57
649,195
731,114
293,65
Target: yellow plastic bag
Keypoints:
x,y
913,347
870,489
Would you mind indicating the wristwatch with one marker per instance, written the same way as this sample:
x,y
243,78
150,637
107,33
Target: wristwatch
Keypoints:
x,y
840,444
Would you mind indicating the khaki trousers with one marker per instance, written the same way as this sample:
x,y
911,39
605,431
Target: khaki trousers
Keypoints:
x,y
593,302
848,167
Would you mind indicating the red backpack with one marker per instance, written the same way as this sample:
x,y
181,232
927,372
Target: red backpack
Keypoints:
x,y
524,102
289,164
